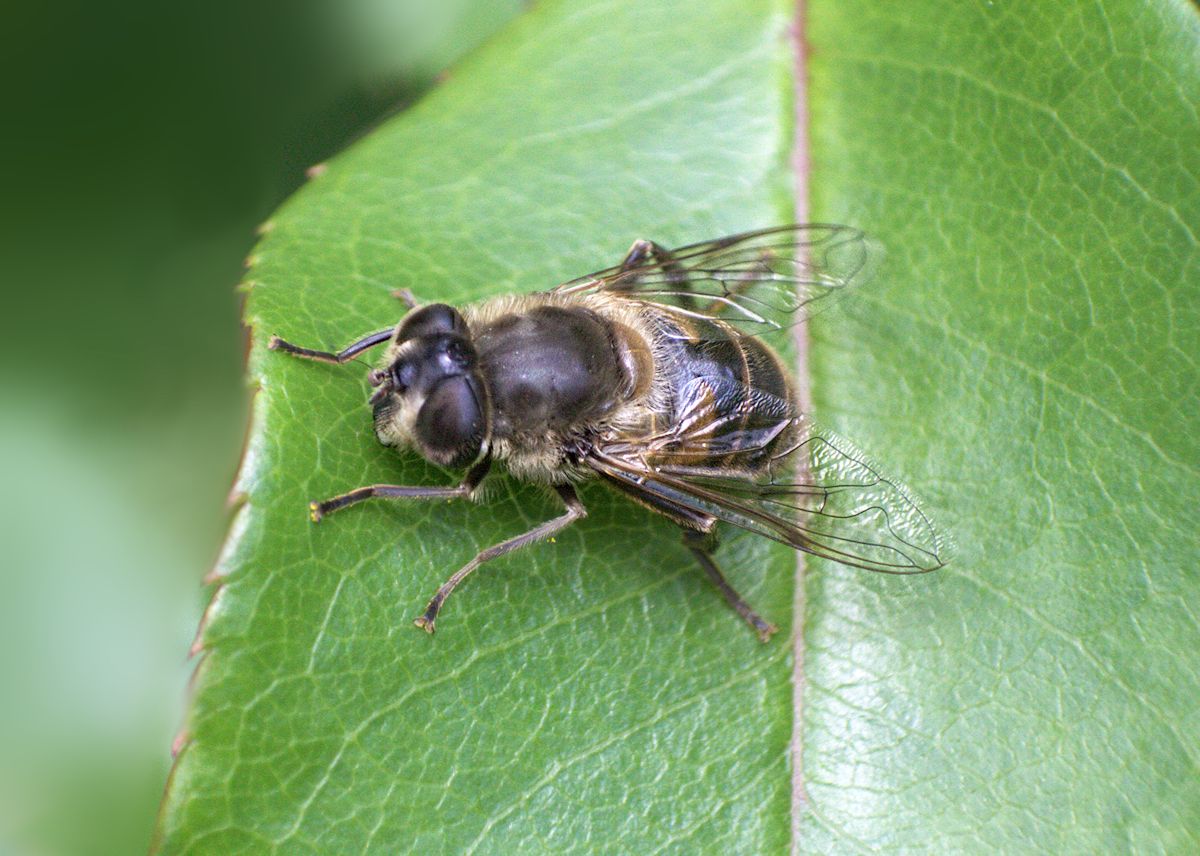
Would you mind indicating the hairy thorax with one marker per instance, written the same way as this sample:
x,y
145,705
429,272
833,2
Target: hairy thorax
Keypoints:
x,y
558,373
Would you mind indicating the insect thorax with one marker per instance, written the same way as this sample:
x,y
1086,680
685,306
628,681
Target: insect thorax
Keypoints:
x,y
559,371
565,372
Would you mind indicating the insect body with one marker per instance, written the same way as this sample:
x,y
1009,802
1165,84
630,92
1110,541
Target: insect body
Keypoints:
x,y
651,377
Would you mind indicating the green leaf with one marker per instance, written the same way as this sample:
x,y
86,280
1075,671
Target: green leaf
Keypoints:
x,y
1025,359
1029,361
591,690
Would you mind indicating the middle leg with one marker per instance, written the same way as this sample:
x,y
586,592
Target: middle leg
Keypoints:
x,y
575,511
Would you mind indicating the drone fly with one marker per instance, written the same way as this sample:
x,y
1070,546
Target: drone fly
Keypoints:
x,y
651,377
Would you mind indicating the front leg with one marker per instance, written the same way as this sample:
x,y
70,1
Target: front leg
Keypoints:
x,y
337,358
350,351
317,510
406,297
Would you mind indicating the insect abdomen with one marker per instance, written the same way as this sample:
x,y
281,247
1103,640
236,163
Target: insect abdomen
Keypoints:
x,y
730,403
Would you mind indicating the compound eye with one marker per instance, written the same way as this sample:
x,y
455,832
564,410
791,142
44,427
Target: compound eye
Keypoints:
x,y
403,375
431,320
450,426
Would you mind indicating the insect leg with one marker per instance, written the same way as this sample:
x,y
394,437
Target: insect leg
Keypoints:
x,y
342,356
643,249
702,546
317,510
701,540
665,259
406,297
575,511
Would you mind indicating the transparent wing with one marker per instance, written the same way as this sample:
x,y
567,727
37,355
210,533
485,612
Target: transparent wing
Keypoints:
x,y
819,495
756,281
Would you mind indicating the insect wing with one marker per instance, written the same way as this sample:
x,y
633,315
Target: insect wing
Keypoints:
x,y
820,495
755,281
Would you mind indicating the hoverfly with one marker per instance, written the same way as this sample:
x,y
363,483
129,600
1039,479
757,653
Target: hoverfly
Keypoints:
x,y
650,377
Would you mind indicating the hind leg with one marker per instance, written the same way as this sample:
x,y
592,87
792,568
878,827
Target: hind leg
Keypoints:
x,y
699,538
702,546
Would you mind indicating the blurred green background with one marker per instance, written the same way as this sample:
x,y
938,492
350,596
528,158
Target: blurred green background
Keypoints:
x,y
143,146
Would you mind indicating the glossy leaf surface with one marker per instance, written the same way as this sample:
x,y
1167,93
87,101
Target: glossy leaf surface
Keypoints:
x,y
591,690
1025,360
1030,357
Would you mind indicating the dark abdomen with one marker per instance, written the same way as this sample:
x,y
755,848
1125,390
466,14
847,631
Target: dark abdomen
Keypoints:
x,y
730,403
